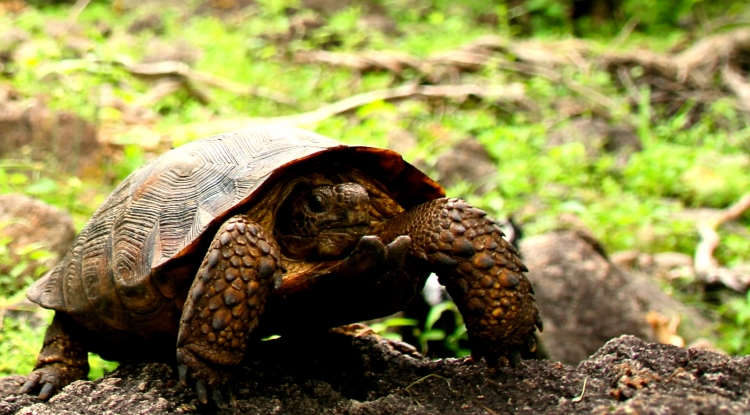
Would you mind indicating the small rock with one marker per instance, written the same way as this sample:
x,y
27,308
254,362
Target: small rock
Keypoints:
x,y
10,38
468,161
225,9
599,137
30,223
158,51
326,7
151,22
70,36
585,300
62,137
627,260
378,22
667,265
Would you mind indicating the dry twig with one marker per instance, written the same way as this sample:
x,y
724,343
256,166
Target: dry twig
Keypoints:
x,y
77,8
533,58
189,76
691,74
706,266
471,57
583,391
735,81
507,93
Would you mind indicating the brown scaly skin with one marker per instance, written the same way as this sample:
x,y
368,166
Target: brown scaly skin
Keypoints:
x,y
226,299
244,264
61,361
480,270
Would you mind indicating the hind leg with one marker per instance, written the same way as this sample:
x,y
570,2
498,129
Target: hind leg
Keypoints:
x,y
226,299
62,359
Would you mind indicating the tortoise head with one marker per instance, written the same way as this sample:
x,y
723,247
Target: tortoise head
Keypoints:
x,y
324,220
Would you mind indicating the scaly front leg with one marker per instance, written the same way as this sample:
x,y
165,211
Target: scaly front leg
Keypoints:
x,y
480,270
224,304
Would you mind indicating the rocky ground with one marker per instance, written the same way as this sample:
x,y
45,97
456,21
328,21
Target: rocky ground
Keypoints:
x,y
339,374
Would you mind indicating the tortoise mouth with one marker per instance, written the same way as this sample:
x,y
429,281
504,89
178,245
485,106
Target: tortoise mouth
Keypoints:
x,y
327,244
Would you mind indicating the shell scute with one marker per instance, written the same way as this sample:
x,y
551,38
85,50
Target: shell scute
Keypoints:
x,y
160,214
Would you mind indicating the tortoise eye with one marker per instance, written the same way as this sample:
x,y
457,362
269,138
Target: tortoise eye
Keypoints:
x,y
317,203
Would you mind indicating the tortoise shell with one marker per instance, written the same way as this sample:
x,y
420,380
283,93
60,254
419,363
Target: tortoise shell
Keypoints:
x,y
131,266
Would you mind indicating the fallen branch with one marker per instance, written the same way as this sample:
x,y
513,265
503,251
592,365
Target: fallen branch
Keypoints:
x,y
363,61
468,58
706,266
162,88
711,54
500,93
77,8
626,31
735,81
182,70
588,93
691,74
534,58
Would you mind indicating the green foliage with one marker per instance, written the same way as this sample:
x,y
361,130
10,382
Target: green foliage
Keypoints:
x,y
19,344
736,331
20,265
450,340
685,162
388,328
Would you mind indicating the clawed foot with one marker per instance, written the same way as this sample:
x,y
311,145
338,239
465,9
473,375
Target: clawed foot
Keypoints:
x,y
50,379
506,356
403,348
190,366
361,330
372,256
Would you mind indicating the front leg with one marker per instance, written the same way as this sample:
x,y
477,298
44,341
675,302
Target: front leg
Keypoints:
x,y
226,299
480,270
61,361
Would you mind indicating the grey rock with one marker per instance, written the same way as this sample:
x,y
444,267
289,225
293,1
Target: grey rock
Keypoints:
x,y
468,161
29,223
598,137
585,300
158,50
60,138
10,39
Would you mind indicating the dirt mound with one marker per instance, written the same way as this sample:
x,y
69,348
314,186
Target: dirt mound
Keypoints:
x,y
338,374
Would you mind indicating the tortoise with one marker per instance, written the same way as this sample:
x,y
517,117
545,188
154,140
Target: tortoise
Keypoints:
x,y
269,230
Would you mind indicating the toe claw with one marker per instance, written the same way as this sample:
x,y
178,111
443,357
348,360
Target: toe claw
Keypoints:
x,y
28,386
183,371
47,391
514,358
200,389
531,343
218,398
538,322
